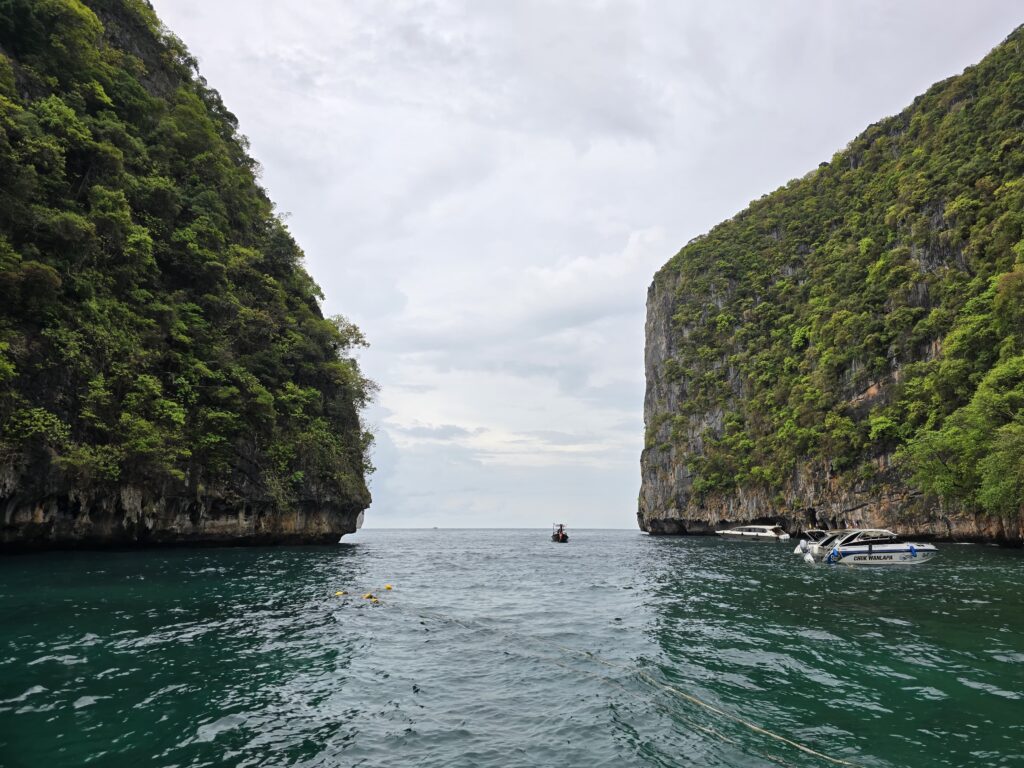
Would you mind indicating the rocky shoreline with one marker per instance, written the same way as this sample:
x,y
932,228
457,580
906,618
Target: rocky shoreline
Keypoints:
x,y
130,517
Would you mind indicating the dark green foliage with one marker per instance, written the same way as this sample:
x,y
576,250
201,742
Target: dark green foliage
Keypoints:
x,y
875,306
156,324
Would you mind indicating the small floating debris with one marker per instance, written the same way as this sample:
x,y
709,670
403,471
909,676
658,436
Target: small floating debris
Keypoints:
x,y
369,596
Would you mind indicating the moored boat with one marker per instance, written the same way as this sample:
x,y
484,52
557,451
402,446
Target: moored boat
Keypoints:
x,y
820,547
877,546
808,537
755,533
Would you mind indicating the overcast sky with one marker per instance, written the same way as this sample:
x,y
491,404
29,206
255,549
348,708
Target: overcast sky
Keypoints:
x,y
487,188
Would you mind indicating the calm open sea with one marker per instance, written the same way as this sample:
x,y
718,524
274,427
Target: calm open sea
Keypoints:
x,y
501,648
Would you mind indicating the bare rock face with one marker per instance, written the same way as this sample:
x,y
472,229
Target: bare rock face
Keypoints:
x,y
42,510
811,499
130,516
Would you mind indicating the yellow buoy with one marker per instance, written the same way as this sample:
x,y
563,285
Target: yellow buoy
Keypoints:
x,y
375,600
368,596
387,587
339,594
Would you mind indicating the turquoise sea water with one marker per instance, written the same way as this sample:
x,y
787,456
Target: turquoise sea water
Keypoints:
x,y
501,648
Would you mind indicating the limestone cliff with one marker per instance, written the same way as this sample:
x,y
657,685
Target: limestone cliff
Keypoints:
x,y
166,373
850,348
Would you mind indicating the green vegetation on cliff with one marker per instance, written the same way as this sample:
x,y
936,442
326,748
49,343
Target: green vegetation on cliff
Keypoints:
x,y
872,309
156,324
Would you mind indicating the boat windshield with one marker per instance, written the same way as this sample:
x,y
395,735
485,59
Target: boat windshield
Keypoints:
x,y
831,538
868,536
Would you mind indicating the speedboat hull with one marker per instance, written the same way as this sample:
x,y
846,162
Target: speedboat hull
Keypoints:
x,y
753,536
893,554
755,533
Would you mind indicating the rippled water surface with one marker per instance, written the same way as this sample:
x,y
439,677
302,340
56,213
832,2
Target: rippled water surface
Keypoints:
x,y
501,648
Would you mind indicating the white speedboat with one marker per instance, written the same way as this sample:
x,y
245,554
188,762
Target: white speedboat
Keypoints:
x,y
877,546
820,547
808,537
755,533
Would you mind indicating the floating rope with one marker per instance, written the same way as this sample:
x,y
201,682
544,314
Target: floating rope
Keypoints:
x,y
711,708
